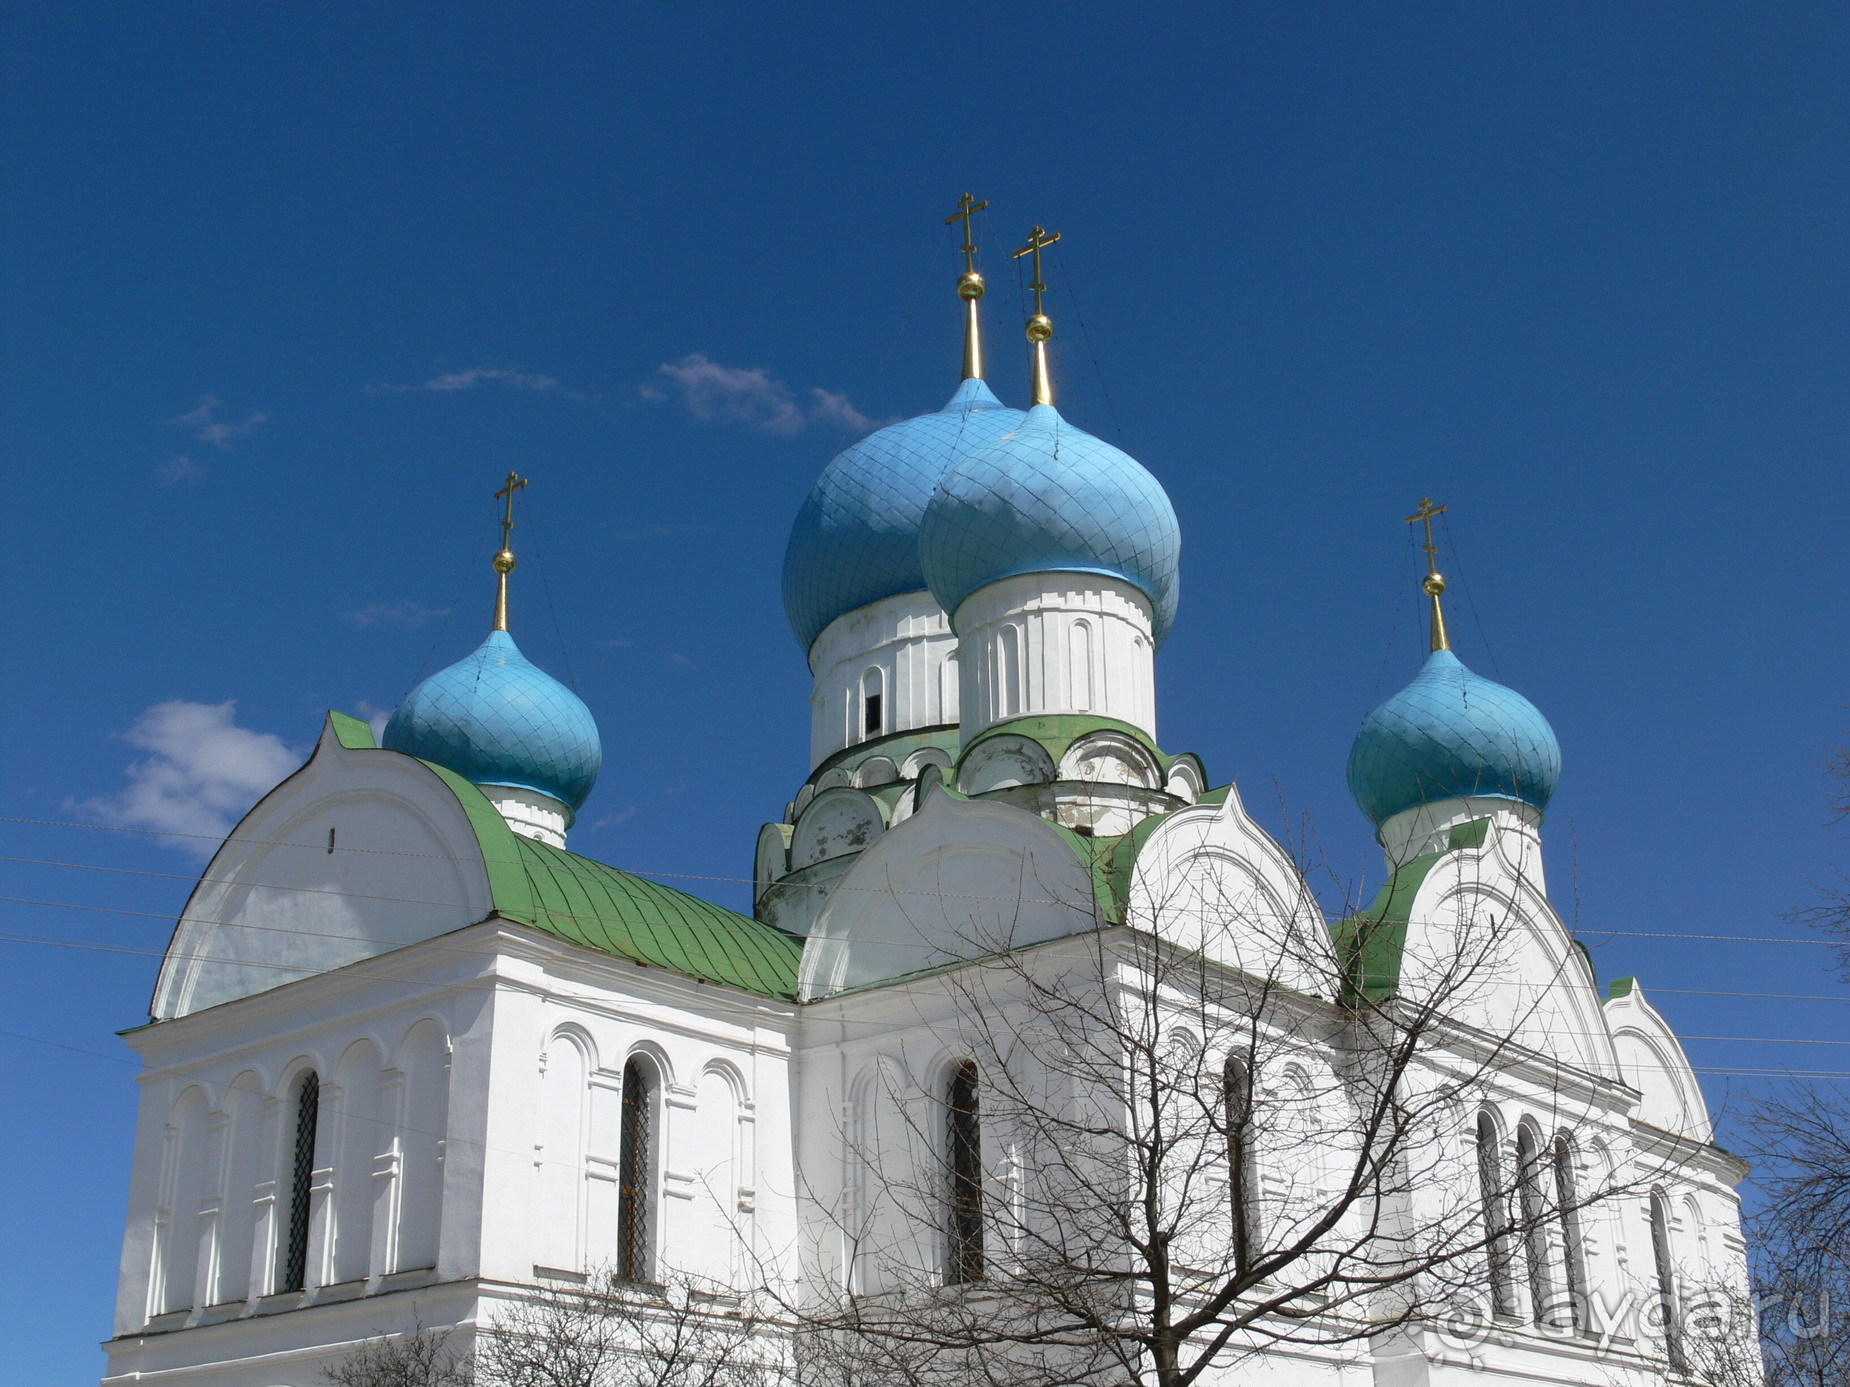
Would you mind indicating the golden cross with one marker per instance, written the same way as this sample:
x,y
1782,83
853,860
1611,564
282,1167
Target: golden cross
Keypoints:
x,y
514,483
1435,581
1426,512
1038,240
967,207
504,561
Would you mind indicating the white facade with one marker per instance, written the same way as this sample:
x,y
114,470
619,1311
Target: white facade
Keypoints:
x,y
1056,643
888,667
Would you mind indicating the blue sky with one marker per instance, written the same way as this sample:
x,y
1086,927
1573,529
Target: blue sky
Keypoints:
x,y
287,289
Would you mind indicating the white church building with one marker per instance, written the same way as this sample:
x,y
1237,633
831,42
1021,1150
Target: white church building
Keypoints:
x,y
410,1056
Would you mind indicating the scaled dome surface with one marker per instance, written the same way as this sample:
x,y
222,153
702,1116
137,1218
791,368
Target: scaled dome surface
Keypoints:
x,y
496,718
1451,733
856,540
1049,497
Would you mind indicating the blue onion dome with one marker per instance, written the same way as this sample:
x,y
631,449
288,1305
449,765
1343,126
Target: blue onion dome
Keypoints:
x,y
496,718
1048,497
856,540
1448,734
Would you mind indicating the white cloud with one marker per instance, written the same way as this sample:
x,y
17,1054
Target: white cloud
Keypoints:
x,y
451,381
749,395
206,424
403,615
376,718
201,773
179,471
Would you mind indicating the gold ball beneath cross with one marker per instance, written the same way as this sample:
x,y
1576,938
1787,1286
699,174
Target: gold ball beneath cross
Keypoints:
x,y
1434,584
971,286
1040,328
504,561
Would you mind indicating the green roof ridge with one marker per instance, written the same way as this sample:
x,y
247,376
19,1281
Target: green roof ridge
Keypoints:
x,y
352,732
1372,941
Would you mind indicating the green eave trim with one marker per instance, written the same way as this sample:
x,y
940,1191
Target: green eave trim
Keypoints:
x,y
1372,942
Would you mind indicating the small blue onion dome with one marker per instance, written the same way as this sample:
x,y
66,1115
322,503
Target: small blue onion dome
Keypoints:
x,y
496,718
856,540
1448,734
1045,498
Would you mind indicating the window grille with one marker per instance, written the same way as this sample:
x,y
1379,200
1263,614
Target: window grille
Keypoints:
x,y
1242,1176
301,1178
635,1178
1572,1254
1496,1216
966,1170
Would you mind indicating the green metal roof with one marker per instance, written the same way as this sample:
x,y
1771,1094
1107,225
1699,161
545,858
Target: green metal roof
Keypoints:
x,y
587,902
593,904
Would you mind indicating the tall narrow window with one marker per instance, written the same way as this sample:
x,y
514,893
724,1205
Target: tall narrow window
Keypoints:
x,y
1530,1170
1496,1217
1666,1282
1242,1172
636,1176
1573,1259
293,1274
1008,692
873,712
965,1133
1081,653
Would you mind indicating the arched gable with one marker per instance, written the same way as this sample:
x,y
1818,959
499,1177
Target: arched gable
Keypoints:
x,y
360,852
1209,878
1652,1061
957,880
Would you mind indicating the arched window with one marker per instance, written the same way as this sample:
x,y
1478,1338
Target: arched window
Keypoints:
x,y
1496,1216
292,1274
873,700
1573,1257
964,1137
1532,1202
1666,1281
1008,691
1242,1167
1081,654
637,1165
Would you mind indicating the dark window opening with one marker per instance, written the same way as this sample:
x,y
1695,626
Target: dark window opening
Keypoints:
x,y
1567,1206
1496,1216
871,715
1242,1174
1666,1283
966,1161
294,1271
635,1175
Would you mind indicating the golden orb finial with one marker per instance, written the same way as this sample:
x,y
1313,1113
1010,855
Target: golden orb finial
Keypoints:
x,y
970,287
1040,326
504,561
1434,582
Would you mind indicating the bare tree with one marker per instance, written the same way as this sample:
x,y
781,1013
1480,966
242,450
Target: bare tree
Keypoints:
x,y
419,1357
1162,1147
613,1333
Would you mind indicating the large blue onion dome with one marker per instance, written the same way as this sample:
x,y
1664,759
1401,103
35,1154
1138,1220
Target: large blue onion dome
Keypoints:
x,y
1048,497
496,718
856,540
1448,734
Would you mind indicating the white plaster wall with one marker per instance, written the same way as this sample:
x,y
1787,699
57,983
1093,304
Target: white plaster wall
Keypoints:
x,y
1056,643
908,639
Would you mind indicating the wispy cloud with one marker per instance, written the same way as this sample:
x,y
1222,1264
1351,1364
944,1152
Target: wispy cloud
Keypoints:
x,y
178,471
205,422
750,395
400,615
476,376
201,773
